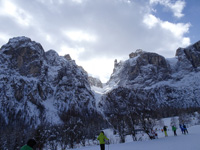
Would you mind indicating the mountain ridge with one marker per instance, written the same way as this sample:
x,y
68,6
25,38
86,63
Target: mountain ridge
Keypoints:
x,y
151,78
43,82
47,95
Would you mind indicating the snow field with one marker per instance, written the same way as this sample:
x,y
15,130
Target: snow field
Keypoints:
x,y
190,141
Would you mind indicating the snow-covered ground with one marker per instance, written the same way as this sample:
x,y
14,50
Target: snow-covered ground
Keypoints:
x,y
190,141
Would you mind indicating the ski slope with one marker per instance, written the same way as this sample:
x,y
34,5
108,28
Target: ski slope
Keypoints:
x,y
190,141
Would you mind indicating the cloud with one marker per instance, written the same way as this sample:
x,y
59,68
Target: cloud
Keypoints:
x,y
19,15
176,7
95,32
4,37
80,36
175,30
178,29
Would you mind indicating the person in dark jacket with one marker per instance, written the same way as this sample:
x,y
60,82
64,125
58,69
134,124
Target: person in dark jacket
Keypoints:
x,y
29,146
102,139
185,129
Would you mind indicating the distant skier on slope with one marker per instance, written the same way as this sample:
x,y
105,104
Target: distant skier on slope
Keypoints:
x,y
182,130
165,130
174,130
29,146
102,139
185,129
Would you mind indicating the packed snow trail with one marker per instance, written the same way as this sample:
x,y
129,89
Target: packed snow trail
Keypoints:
x,y
190,141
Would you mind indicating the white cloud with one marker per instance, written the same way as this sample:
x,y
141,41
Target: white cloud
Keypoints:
x,y
171,34
51,1
99,67
80,36
19,15
73,51
3,37
94,32
176,7
78,1
150,20
186,41
178,29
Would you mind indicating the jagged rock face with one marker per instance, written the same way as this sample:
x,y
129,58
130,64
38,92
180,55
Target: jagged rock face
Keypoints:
x,y
118,101
25,56
137,52
189,58
68,57
37,86
161,99
142,68
95,82
164,83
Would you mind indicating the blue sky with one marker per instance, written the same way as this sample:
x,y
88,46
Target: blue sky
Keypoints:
x,y
191,13
96,32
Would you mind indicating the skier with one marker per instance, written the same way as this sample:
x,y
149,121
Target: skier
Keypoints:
x,y
29,146
174,129
182,130
165,130
102,139
185,129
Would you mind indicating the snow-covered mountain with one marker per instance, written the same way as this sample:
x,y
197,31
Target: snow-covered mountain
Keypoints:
x,y
42,91
38,87
158,83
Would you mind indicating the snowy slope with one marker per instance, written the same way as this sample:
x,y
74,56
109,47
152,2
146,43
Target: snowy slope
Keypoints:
x,y
181,142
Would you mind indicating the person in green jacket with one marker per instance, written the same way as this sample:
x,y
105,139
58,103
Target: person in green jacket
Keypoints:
x,y
174,129
29,146
102,139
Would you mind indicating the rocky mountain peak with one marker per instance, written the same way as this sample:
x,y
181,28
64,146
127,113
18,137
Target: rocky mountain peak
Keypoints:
x,y
95,82
18,43
197,46
25,55
68,57
189,56
141,67
136,53
149,82
41,84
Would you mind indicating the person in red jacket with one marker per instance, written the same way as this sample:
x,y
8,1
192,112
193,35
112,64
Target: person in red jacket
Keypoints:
x,y
102,139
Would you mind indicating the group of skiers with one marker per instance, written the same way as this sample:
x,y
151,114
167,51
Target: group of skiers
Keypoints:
x,y
182,127
152,134
173,129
